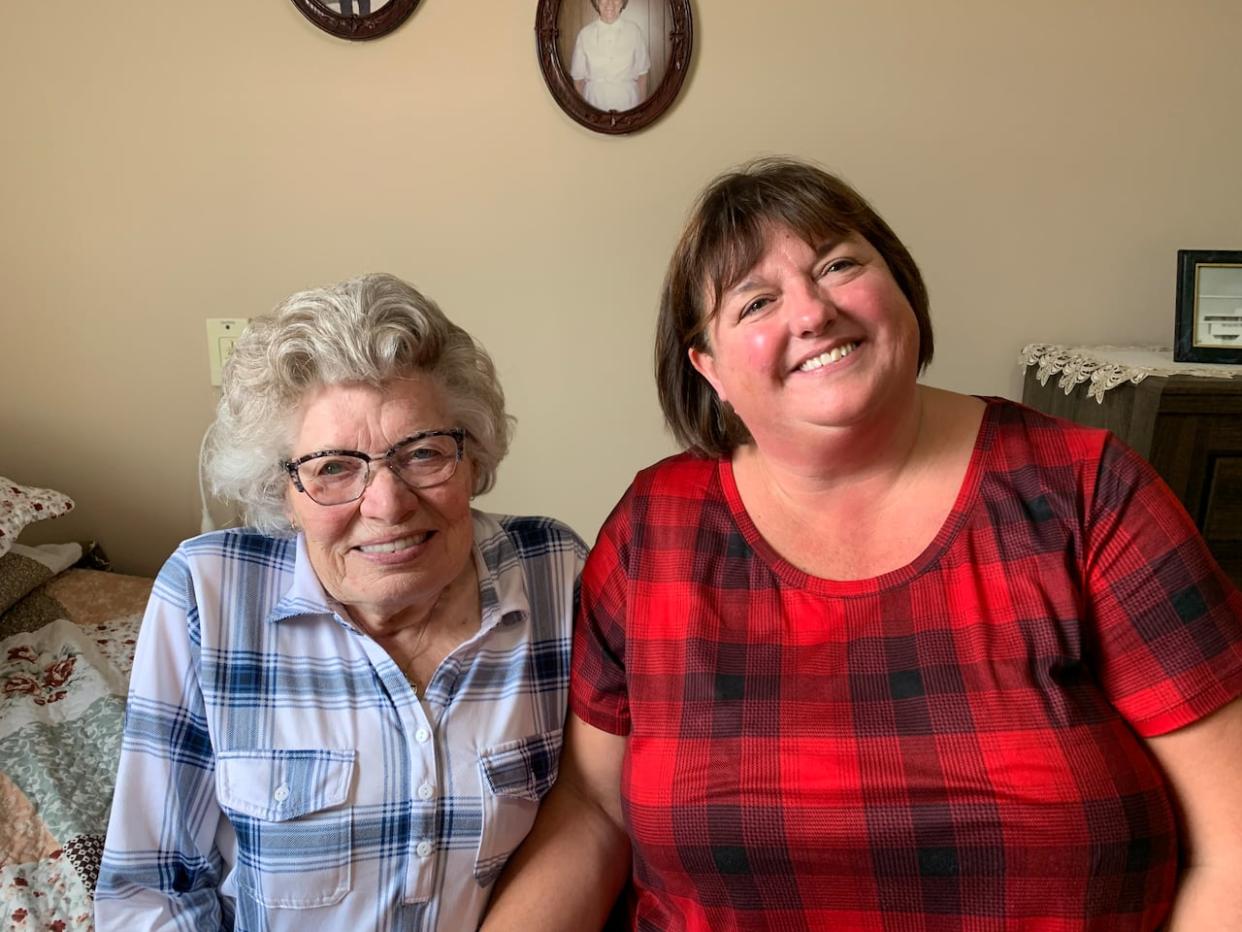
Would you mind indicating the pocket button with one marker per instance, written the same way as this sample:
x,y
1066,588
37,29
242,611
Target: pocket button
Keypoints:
x,y
281,793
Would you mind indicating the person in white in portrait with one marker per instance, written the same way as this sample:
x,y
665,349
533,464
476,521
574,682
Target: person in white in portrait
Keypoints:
x,y
611,61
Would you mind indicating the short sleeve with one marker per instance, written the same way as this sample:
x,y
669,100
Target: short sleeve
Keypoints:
x,y
597,691
578,64
1167,619
642,57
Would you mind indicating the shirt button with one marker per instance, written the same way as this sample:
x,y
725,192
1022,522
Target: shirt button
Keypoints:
x,y
422,735
281,793
426,791
423,849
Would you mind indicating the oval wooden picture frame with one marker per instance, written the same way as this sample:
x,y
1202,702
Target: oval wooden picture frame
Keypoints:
x,y
679,43
358,28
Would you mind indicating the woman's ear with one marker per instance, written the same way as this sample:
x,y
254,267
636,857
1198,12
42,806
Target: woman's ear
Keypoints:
x,y
705,365
291,515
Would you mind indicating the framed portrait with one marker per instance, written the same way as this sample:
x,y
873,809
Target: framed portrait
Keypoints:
x,y
1209,306
614,66
357,19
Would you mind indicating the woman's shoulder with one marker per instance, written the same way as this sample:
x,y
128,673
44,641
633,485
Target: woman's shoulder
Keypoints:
x,y
1069,467
238,547
530,535
243,543
1042,439
682,473
673,489
230,559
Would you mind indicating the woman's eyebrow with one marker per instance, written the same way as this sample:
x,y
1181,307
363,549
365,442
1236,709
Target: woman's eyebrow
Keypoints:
x,y
828,245
331,451
750,280
749,283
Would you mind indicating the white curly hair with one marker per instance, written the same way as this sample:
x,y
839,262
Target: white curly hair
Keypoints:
x,y
369,329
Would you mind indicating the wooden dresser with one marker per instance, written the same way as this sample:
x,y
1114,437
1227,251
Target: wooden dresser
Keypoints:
x,y
1188,427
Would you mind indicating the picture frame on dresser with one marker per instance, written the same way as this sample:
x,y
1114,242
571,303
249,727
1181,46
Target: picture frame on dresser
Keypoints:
x,y
1209,306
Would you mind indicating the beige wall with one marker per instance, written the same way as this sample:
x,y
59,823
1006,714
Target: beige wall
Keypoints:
x,y
168,162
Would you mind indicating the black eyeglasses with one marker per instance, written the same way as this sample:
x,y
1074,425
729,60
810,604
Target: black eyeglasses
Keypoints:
x,y
334,477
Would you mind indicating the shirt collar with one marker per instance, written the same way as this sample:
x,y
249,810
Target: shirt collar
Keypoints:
x,y
502,582
305,595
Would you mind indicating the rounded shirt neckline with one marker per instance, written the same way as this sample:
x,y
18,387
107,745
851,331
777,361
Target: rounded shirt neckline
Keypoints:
x,y
789,574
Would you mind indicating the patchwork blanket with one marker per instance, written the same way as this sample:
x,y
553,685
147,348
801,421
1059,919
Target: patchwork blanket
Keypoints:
x,y
66,648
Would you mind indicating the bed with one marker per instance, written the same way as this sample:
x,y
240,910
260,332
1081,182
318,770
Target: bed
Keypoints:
x,y
67,632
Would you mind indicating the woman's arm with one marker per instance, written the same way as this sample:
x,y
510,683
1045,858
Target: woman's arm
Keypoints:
x,y
1168,632
160,868
1202,763
571,867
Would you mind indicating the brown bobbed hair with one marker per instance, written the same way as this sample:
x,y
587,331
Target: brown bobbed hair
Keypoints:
x,y
724,238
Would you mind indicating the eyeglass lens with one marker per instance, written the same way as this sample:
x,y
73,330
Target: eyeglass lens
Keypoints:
x,y
339,478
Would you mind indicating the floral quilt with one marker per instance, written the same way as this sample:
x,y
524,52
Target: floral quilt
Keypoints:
x,y
62,704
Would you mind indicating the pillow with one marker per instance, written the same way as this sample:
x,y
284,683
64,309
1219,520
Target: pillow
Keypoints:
x,y
21,505
25,603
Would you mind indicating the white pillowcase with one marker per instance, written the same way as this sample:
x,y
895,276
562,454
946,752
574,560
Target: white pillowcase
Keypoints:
x,y
21,505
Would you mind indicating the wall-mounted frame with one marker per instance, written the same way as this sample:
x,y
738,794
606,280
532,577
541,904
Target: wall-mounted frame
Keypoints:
x,y
606,92
357,19
1209,306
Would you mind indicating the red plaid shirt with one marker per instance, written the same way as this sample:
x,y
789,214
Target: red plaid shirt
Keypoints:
x,y
953,745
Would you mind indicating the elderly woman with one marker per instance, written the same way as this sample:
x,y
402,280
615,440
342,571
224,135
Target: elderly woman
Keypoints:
x,y
345,715
874,655
610,61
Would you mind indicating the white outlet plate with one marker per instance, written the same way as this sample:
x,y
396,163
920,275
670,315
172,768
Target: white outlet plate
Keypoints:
x,y
222,333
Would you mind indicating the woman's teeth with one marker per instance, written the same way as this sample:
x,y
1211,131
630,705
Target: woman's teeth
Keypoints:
x,y
395,545
823,359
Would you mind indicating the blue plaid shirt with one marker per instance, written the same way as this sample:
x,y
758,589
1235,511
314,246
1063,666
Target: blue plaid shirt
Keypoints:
x,y
278,772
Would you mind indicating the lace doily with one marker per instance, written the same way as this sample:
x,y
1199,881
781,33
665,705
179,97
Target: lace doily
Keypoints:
x,y
1107,367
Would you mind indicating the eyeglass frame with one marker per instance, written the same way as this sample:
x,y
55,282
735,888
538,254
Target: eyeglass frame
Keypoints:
x,y
457,433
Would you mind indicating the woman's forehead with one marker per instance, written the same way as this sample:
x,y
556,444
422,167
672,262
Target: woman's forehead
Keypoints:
x,y
748,251
397,406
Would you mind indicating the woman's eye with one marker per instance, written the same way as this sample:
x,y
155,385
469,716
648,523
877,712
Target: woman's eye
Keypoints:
x,y
837,265
334,468
425,455
750,307
422,455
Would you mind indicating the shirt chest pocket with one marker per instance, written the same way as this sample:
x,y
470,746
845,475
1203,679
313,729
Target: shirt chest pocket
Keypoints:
x,y
294,831
515,777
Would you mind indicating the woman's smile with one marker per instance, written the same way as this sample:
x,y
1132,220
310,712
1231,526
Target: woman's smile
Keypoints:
x,y
392,546
827,357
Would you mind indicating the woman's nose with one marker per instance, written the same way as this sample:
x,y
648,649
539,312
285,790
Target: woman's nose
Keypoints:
x,y
386,496
811,310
